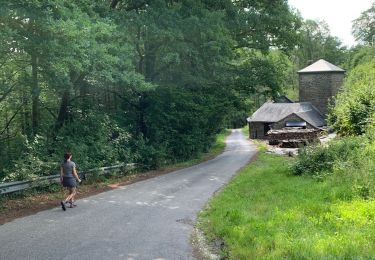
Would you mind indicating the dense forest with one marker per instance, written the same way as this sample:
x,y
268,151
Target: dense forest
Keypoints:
x,y
148,81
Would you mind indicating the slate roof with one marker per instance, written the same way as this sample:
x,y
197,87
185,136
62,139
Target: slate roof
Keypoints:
x,y
321,66
274,112
283,99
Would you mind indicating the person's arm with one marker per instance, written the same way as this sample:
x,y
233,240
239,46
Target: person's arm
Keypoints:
x,y
76,175
61,173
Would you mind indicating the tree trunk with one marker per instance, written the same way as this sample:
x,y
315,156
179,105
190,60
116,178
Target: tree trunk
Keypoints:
x,y
7,132
79,86
35,92
139,51
141,116
26,128
149,61
64,110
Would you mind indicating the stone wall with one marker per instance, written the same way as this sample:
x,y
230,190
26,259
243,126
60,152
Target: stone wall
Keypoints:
x,y
293,137
318,88
336,82
256,130
281,124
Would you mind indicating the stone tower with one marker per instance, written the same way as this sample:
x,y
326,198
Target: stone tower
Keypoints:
x,y
319,82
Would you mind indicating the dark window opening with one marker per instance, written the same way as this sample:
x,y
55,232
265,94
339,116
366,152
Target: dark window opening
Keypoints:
x,y
301,124
266,128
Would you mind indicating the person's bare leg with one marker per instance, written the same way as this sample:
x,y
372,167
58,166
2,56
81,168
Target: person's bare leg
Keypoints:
x,y
66,199
71,200
71,194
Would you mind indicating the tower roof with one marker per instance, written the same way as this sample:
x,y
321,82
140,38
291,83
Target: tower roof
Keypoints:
x,y
321,66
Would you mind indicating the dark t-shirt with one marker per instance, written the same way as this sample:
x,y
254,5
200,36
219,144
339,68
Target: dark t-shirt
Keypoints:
x,y
68,168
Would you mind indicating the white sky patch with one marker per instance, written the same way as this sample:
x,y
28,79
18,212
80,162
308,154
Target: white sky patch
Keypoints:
x,y
338,14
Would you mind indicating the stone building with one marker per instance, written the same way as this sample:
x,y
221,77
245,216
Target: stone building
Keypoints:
x,y
318,83
280,115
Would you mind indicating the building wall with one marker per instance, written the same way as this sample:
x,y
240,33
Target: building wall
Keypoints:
x,y
256,130
318,88
336,82
281,124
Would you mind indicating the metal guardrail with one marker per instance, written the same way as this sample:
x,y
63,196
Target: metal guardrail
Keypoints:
x,y
8,187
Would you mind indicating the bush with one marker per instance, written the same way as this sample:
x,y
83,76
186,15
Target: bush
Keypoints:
x,y
320,161
94,139
348,162
355,105
32,163
312,161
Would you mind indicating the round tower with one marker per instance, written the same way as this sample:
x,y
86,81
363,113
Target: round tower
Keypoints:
x,y
319,82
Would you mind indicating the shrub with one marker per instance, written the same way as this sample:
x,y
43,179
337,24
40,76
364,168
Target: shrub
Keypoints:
x,y
312,161
32,163
348,162
94,139
320,160
355,104
358,171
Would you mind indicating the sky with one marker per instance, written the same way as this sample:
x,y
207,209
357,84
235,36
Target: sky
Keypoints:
x,y
339,14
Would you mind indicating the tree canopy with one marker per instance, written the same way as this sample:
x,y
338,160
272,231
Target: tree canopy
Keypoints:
x,y
150,81
363,27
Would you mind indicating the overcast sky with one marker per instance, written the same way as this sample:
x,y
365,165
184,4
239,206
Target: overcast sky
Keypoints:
x,y
339,14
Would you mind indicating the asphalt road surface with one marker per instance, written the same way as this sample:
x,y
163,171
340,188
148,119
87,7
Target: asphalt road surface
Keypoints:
x,y
151,219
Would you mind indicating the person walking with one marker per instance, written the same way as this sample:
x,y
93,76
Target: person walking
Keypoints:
x,y
69,179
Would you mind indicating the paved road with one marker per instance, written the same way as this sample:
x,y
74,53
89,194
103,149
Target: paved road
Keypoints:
x,y
151,219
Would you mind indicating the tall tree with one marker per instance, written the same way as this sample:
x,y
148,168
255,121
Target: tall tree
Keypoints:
x,y
90,74
318,43
363,27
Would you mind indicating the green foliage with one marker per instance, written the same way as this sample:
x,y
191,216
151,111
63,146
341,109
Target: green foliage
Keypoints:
x,y
261,73
95,177
320,161
313,161
355,104
263,24
31,164
259,77
183,122
95,140
317,43
50,188
359,55
363,27
266,213
347,161
145,81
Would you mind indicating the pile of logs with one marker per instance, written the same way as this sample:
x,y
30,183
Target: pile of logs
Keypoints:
x,y
293,137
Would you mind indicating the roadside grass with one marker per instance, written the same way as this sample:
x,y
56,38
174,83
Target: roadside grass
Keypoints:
x,y
266,213
245,130
30,201
217,148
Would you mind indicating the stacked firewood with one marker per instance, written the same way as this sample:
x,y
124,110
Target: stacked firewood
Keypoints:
x,y
293,137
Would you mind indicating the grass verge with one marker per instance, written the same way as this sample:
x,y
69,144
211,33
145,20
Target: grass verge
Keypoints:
x,y
245,130
29,202
265,213
217,148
